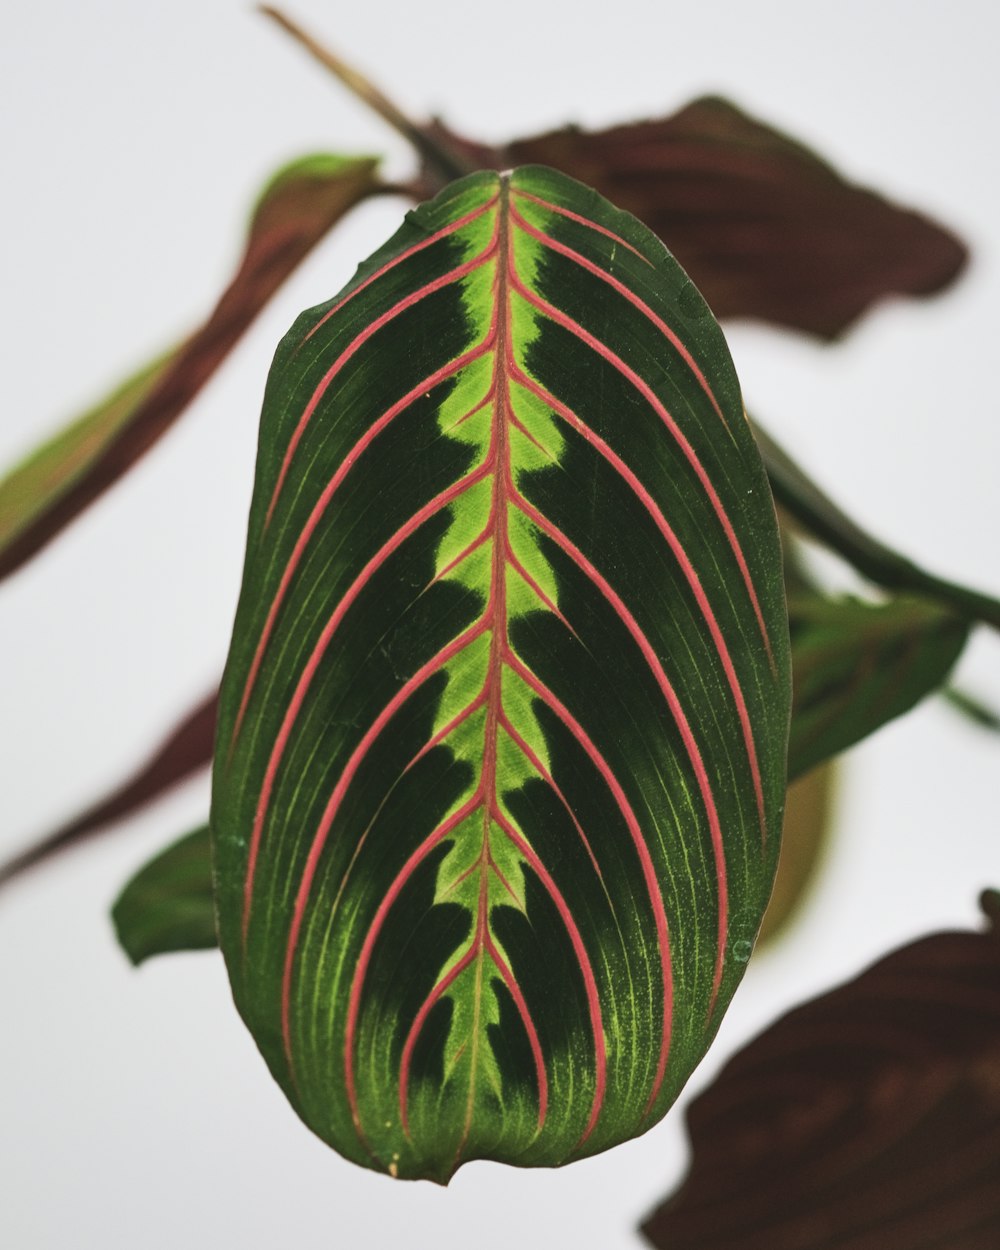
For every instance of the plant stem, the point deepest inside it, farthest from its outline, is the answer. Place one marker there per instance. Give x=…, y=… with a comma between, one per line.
x=823, y=519
x=433, y=148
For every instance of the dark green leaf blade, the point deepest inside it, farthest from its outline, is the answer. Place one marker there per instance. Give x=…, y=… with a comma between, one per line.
x=44, y=493
x=500, y=762
x=765, y=228
x=856, y=666
x=168, y=905
x=186, y=749
x=868, y=1117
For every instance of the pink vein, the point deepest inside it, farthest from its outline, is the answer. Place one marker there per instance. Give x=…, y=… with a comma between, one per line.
x=445, y=279
x=436, y=237
x=648, y=871
x=577, y=330
x=632, y=298
x=376, y=428
x=688, y=570
x=583, y=221
x=676, y=710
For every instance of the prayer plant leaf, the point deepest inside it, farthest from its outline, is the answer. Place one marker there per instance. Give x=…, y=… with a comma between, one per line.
x=500, y=765
x=43, y=494
x=869, y=1117
x=168, y=906
x=765, y=228
x=186, y=749
x=859, y=665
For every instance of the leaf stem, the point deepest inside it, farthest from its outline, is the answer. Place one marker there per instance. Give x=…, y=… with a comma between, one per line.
x=434, y=149
x=823, y=519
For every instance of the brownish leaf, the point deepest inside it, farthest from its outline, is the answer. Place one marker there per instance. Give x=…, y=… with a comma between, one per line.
x=187, y=748
x=763, y=226
x=868, y=1119
x=56, y=482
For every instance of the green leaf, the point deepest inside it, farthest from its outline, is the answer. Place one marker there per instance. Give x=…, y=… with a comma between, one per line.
x=868, y=1117
x=167, y=906
x=824, y=520
x=500, y=765
x=43, y=494
x=859, y=665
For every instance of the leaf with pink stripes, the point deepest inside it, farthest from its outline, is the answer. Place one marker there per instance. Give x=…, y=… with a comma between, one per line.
x=501, y=755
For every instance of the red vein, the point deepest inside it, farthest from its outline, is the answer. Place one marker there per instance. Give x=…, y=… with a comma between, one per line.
x=373, y=431
x=583, y=221
x=408, y=301
x=676, y=710
x=688, y=570
x=563, y=713
x=632, y=298
x=643, y=387
x=436, y=237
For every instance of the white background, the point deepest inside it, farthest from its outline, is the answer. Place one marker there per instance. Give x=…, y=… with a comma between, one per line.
x=134, y=1110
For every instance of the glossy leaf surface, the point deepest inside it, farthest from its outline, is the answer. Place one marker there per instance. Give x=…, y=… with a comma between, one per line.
x=55, y=483
x=857, y=666
x=765, y=228
x=867, y=1118
x=500, y=761
x=168, y=905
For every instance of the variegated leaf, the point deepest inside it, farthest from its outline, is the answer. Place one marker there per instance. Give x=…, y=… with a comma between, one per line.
x=500, y=765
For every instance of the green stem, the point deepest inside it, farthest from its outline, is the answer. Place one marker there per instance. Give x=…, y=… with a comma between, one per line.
x=823, y=519
x=434, y=149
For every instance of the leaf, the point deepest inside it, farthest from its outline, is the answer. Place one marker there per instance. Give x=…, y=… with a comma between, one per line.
x=870, y=1117
x=501, y=746
x=763, y=226
x=187, y=748
x=43, y=494
x=805, y=832
x=859, y=665
x=801, y=498
x=167, y=906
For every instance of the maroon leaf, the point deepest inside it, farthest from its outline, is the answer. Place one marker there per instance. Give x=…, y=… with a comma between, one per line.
x=763, y=226
x=55, y=483
x=868, y=1119
x=187, y=748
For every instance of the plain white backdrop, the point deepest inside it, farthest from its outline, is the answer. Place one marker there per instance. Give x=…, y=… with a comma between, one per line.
x=134, y=1109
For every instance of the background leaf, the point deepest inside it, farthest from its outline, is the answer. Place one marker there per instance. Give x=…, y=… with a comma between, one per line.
x=167, y=906
x=186, y=748
x=857, y=666
x=765, y=228
x=870, y=1117
x=805, y=831
x=501, y=747
x=55, y=483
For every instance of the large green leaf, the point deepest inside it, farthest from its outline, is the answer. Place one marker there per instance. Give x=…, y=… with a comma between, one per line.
x=168, y=906
x=500, y=762
x=859, y=665
x=44, y=493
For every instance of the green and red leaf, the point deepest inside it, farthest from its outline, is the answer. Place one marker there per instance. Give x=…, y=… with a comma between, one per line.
x=500, y=763
x=765, y=228
x=43, y=494
x=868, y=1117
